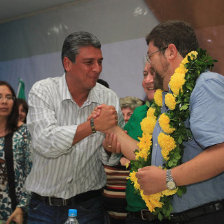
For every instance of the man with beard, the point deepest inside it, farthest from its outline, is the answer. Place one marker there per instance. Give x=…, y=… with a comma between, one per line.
x=202, y=168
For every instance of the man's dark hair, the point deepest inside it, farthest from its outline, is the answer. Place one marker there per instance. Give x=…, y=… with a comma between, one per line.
x=179, y=33
x=103, y=82
x=74, y=41
x=12, y=121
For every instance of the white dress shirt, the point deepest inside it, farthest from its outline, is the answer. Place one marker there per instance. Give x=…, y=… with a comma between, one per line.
x=60, y=169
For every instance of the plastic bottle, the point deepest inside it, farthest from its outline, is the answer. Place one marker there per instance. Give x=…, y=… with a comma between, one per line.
x=72, y=217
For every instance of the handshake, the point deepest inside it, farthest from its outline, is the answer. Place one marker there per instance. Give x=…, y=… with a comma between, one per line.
x=105, y=118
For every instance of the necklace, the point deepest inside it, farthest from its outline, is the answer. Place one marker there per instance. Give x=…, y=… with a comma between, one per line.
x=174, y=133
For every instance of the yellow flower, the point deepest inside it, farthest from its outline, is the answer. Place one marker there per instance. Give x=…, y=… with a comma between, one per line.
x=147, y=125
x=145, y=141
x=185, y=60
x=164, y=122
x=150, y=112
x=158, y=97
x=181, y=68
x=193, y=55
x=170, y=101
x=169, y=192
x=133, y=178
x=177, y=81
x=142, y=154
x=152, y=201
x=167, y=144
x=144, y=146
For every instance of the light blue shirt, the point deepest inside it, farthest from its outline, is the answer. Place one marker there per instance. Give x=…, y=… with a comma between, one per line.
x=207, y=125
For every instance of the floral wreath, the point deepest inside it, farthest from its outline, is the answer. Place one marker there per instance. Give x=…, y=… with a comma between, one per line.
x=174, y=132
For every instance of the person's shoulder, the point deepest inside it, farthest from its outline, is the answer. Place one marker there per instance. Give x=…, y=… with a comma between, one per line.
x=22, y=133
x=207, y=84
x=22, y=128
x=47, y=82
x=209, y=76
x=142, y=108
x=101, y=89
x=208, y=81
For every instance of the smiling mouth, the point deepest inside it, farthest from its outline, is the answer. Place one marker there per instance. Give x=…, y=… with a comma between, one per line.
x=148, y=88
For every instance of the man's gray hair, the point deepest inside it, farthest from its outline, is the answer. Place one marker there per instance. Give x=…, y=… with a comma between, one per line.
x=75, y=41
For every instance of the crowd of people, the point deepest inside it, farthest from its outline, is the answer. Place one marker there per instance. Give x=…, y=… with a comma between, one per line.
x=77, y=142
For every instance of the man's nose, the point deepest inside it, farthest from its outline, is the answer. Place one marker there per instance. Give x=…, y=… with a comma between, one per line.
x=97, y=67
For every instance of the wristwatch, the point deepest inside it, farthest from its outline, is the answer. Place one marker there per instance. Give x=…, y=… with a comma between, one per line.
x=171, y=185
x=92, y=125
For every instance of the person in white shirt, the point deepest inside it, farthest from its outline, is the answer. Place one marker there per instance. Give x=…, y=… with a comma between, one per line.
x=68, y=155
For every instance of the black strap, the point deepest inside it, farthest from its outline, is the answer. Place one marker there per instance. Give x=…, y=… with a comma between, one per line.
x=10, y=169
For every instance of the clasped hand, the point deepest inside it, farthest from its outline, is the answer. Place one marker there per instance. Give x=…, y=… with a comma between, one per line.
x=105, y=117
x=151, y=179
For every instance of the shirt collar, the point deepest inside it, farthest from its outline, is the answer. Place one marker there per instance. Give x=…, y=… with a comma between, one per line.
x=64, y=88
x=92, y=97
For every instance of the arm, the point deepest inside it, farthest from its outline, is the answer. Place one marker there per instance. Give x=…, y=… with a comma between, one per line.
x=127, y=144
x=130, y=139
x=52, y=134
x=22, y=163
x=106, y=119
x=206, y=165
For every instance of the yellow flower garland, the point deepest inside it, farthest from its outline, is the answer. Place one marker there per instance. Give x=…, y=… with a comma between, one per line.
x=158, y=97
x=168, y=143
x=170, y=101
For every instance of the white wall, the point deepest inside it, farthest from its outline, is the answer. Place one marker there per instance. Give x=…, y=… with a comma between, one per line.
x=30, y=47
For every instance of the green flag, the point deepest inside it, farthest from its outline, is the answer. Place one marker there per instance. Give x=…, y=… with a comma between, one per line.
x=21, y=90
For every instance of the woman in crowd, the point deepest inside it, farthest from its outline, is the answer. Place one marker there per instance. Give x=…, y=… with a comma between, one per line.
x=15, y=161
x=128, y=105
x=23, y=109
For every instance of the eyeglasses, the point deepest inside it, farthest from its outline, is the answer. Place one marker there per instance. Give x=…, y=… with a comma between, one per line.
x=7, y=98
x=147, y=57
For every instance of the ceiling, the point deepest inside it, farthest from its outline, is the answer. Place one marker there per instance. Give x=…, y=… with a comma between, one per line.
x=16, y=9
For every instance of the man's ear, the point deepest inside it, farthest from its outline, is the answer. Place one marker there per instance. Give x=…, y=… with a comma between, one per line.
x=67, y=64
x=171, y=52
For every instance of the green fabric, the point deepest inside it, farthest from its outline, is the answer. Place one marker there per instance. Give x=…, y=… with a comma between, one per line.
x=133, y=127
x=21, y=90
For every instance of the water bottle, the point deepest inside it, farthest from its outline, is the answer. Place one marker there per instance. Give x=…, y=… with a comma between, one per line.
x=72, y=217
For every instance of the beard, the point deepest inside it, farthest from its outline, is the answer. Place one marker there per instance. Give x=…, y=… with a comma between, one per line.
x=158, y=80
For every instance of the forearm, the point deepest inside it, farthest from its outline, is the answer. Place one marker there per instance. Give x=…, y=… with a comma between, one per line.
x=82, y=131
x=206, y=165
x=128, y=144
